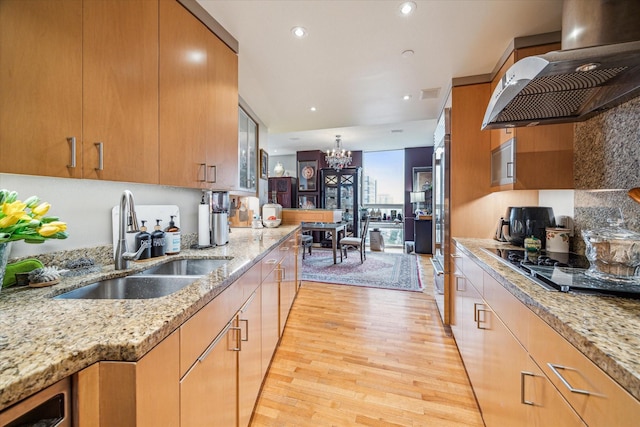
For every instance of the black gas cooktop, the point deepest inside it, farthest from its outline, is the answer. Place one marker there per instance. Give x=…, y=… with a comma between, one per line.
x=564, y=272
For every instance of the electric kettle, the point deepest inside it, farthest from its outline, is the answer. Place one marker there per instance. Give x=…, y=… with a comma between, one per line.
x=502, y=229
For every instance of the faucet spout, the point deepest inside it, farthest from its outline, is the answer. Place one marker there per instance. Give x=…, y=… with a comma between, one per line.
x=128, y=225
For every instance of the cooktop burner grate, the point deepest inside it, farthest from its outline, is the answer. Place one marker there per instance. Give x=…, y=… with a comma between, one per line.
x=564, y=272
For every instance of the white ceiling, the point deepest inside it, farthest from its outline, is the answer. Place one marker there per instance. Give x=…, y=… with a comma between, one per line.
x=351, y=68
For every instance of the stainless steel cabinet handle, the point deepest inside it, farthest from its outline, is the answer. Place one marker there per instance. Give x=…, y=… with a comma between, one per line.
x=100, y=147
x=479, y=320
x=72, y=143
x=509, y=169
x=221, y=335
x=456, y=256
x=271, y=261
x=246, y=331
x=203, y=170
x=555, y=369
x=436, y=267
x=213, y=169
x=238, y=330
x=458, y=287
x=524, y=374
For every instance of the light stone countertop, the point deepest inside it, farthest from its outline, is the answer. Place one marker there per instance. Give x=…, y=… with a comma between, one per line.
x=605, y=329
x=50, y=339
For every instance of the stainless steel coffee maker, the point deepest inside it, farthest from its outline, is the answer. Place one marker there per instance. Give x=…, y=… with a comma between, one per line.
x=218, y=205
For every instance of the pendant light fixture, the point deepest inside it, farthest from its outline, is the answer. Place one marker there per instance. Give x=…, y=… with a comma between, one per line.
x=338, y=158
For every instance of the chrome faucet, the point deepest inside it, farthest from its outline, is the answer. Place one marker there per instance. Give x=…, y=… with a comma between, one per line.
x=128, y=209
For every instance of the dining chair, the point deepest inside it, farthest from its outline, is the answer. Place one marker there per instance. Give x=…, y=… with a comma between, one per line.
x=307, y=243
x=356, y=242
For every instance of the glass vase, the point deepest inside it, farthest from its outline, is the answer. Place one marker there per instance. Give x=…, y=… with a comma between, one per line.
x=5, y=249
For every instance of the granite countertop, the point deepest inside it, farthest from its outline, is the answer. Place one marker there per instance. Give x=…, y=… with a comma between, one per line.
x=605, y=329
x=49, y=339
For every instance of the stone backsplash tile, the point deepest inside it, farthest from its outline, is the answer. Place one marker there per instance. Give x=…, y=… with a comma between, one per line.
x=606, y=166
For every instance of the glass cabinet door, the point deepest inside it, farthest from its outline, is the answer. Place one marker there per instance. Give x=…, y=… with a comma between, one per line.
x=247, y=151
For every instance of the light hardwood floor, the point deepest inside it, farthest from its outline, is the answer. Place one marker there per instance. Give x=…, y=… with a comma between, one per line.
x=354, y=356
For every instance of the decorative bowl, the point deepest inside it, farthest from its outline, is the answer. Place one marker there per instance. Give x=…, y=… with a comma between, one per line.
x=613, y=252
x=271, y=223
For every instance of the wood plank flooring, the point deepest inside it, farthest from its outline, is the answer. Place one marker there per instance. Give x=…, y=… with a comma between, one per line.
x=354, y=356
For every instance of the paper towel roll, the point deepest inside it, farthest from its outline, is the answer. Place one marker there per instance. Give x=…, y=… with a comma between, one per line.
x=204, y=232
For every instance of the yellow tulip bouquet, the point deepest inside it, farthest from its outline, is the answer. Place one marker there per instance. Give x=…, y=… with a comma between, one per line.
x=27, y=220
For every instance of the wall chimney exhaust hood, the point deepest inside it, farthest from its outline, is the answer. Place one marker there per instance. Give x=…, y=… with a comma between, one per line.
x=594, y=72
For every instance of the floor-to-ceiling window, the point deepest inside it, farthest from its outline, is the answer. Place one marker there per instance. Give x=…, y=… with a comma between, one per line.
x=383, y=193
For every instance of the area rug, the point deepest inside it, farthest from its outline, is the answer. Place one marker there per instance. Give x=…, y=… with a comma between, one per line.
x=379, y=270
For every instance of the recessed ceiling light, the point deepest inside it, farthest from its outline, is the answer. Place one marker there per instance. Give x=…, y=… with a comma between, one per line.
x=406, y=97
x=407, y=8
x=312, y=108
x=407, y=53
x=299, y=32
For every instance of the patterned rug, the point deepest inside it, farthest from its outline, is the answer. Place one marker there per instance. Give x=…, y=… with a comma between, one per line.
x=379, y=270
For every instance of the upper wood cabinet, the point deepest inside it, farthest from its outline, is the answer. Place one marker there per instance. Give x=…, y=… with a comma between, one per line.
x=80, y=89
x=127, y=90
x=198, y=103
x=222, y=148
x=543, y=155
x=120, y=90
x=41, y=87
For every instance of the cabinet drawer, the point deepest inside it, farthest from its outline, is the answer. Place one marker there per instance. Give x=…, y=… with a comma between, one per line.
x=249, y=281
x=472, y=271
x=197, y=332
x=270, y=262
x=597, y=398
x=513, y=313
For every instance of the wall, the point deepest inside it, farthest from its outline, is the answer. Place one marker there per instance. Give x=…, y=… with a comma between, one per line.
x=413, y=157
x=606, y=166
x=289, y=162
x=85, y=205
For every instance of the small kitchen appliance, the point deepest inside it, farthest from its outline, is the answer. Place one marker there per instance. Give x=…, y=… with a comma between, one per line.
x=502, y=230
x=527, y=221
x=217, y=223
x=272, y=213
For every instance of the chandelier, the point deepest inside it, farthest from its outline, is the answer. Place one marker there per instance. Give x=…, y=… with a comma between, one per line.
x=338, y=158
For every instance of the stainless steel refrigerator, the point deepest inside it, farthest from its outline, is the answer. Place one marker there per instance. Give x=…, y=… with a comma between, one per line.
x=441, y=259
x=343, y=190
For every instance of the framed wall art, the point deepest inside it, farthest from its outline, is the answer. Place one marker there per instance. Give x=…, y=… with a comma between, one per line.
x=307, y=202
x=307, y=175
x=422, y=178
x=264, y=164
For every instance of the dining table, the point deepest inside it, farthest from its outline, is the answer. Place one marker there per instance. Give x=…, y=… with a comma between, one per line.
x=332, y=228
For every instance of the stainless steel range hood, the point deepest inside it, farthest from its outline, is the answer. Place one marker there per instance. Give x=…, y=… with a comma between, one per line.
x=577, y=83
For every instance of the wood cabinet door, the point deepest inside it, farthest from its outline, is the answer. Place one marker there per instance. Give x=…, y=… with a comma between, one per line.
x=546, y=406
x=41, y=87
x=185, y=108
x=270, y=325
x=250, y=357
x=208, y=393
x=222, y=143
x=120, y=90
x=504, y=359
x=287, y=281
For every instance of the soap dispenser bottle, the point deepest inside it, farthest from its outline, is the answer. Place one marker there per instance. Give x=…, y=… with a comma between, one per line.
x=172, y=238
x=157, y=241
x=143, y=238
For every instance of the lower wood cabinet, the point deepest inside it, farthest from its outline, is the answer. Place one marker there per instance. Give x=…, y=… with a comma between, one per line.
x=510, y=387
x=249, y=320
x=123, y=394
x=209, y=371
x=208, y=390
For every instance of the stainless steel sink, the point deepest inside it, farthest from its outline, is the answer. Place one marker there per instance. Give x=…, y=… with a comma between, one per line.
x=186, y=267
x=131, y=287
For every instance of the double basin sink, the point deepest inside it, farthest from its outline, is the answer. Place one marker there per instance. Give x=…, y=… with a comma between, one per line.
x=154, y=282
